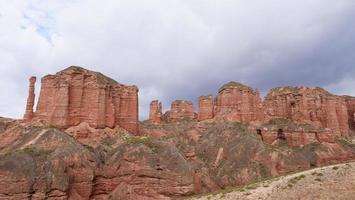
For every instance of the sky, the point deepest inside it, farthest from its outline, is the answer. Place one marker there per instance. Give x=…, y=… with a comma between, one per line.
x=178, y=49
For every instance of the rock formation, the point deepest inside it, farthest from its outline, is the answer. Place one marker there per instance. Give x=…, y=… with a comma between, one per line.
x=350, y=104
x=180, y=110
x=205, y=107
x=30, y=100
x=237, y=102
x=155, y=112
x=310, y=105
x=76, y=95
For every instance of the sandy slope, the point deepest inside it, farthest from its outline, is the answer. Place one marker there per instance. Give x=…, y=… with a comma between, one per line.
x=331, y=182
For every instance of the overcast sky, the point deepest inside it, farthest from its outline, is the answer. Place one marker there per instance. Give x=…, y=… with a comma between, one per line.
x=178, y=49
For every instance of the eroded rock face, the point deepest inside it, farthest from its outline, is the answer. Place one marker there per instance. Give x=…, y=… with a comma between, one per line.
x=311, y=105
x=76, y=95
x=180, y=110
x=155, y=112
x=350, y=104
x=237, y=102
x=205, y=107
x=30, y=100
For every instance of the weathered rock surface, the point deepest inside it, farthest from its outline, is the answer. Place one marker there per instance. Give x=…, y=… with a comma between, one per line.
x=76, y=95
x=350, y=104
x=205, y=107
x=39, y=162
x=30, y=100
x=180, y=110
x=234, y=102
x=237, y=102
x=155, y=112
x=311, y=105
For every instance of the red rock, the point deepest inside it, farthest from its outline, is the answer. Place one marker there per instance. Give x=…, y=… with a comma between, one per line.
x=30, y=100
x=205, y=107
x=76, y=95
x=350, y=104
x=180, y=110
x=155, y=113
x=314, y=106
x=237, y=102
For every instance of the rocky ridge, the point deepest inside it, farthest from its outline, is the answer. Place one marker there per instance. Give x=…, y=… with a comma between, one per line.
x=84, y=140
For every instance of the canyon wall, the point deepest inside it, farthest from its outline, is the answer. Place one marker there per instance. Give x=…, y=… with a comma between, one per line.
x=205, y=107
x=76, y=95
x=310, y=105
x=180, y=110
x=237, y=102
x=350, y=104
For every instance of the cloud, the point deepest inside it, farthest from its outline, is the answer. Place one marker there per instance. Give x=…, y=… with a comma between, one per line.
x=178, y=49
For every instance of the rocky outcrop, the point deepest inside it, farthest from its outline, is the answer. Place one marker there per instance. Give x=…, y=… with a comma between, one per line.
x=310, y=105
x=180, y=110
x=350, y=104
x=237, y=102
x=76, y=95
x=205, y=107
x=30, y=100
x=39, y=162
x=155, y=112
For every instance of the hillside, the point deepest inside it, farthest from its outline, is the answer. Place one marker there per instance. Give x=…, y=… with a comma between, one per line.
x=330, y=182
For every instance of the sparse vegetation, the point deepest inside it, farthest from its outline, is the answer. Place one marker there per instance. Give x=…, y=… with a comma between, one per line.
x=145, y=140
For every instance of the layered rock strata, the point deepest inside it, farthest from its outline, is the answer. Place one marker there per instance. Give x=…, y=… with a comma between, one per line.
x=237, y=102
x=155, y=112
x=76, y=95
x=311, y=105
x=205, y=107
x=30, y=100
x=180, y=110
x=350, y=104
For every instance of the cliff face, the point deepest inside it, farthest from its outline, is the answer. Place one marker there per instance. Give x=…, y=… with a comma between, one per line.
x=76, y=95
x=180, y=110
x=310, y=105
x=350, y=104
x=155, y=112
x=237, y=102
x=205, y=107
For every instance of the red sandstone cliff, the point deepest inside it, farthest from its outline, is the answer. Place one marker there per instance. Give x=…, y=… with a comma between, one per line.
x=30, y=100
x=205, y=107
x=310, y=105
x=155, y=112
x=180, y=110
x=76, y=95
x=350, y=104
x=238, y=102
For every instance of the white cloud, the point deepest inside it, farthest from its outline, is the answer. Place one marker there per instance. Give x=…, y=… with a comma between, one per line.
x=178, y=48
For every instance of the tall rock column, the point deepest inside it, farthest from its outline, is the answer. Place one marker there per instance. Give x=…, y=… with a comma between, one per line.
x=238, y=102
x=155, y=112
x=128, y=110
x=180, y=110
x=205, y=107
x=30, y=100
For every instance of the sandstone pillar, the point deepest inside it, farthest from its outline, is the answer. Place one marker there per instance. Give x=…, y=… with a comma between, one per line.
x=155, y=112
x=30, y=100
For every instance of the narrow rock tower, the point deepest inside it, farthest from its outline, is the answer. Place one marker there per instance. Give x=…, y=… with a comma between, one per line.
x=30, y=100
x=155, y=113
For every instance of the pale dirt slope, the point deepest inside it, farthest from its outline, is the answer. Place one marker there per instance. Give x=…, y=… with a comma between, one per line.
x=332, y=182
